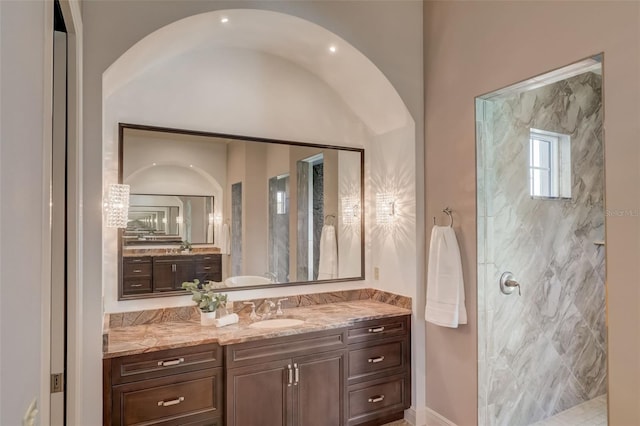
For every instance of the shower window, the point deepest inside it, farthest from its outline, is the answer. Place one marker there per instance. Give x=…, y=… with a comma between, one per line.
x=549, y=164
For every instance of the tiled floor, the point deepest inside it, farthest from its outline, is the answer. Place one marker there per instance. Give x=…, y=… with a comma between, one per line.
x=590, y=413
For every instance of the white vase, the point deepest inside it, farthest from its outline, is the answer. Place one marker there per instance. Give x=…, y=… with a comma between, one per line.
x=207, y=318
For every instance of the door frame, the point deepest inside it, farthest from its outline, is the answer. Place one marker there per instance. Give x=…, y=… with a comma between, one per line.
x=73, y=21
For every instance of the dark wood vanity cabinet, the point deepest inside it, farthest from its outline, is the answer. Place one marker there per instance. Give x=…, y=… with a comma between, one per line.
x=170, y=388
x=296, y=380
x=359, y=375
x=208, y=267
x=136, y=275
x=160, y=274
x=169, y=272
x=379, y=373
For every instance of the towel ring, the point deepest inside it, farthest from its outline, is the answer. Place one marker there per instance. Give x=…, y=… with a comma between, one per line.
x=449, y=212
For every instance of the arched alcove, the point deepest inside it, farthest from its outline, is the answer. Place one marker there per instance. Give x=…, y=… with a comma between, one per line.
x=263, y=74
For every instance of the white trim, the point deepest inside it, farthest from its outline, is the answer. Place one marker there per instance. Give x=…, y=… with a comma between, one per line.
x=416, y=417
x=45, y=308
x=435, y=419
x=73, y=21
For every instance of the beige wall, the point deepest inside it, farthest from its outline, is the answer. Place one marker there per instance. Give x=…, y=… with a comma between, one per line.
x=473, y=48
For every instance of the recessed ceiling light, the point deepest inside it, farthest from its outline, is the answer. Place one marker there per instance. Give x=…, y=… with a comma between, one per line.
x=154, y=164
x=332, y=49
x=190, y=165
x=224, y=19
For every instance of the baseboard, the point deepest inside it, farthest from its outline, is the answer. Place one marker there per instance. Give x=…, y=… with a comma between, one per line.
x=417, y=416
x=435, y=419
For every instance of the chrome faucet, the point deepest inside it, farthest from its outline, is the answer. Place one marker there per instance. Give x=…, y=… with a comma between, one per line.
x=273, y=277
x=267, y=310
x=279, y=311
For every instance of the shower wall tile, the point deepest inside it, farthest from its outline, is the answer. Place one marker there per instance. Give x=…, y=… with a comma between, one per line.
x=544, y=351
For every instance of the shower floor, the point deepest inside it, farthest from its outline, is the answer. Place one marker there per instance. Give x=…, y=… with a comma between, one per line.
x=590, y=413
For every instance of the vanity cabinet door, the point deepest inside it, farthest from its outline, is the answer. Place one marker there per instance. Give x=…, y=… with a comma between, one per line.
x=260, y=394
x=319, y=397
x=169, y=272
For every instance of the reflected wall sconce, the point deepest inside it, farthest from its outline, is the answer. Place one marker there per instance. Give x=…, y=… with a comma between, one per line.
x=385, y=208
x=117, y=206
x=179, y=220
x=211, y=219
x=217, y=219
x=350, y=210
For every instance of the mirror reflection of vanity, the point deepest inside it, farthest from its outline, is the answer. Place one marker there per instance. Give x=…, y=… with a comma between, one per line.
x=253, y=212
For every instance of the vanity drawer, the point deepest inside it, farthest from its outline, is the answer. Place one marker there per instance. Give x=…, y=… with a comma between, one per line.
x=136, y=259
x=381, y=358
x=137, y=269
x=378, y=329
x=375, y=399
x=136, y=285
x=165, y=363
x=194, y=399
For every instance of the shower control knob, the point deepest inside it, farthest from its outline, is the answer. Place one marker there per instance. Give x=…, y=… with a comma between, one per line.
x=508, y=284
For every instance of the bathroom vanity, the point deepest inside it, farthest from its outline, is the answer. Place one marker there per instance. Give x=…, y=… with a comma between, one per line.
x=161, y=273
x=347, y=364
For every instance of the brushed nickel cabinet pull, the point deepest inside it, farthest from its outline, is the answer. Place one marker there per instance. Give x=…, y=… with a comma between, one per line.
x=377, y=398
x=170, y=363
x=290, y=373
x=136, y=285
x=137, y=271
x=173, y=267
x=376, y=330
x=206, y=268
x=170, y=403
x=377, y=359
x=297, y=374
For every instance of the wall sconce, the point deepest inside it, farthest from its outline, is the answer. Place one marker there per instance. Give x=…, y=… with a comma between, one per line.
x=350, y=210
x=117, y=206
x=385, y=208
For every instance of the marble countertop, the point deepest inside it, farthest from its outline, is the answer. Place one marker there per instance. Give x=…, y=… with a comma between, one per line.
x=136, y=252
x=167, y=335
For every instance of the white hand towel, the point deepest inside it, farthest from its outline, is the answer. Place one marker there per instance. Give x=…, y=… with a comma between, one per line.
x=445, y=286
x=226, y=320
x=328, y=264
x=225, y=239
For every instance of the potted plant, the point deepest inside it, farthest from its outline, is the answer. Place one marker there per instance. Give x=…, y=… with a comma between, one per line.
x=185, y=246
x=212, y=305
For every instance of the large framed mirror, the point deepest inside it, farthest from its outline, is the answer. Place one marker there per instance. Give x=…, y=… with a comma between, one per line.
x=240, y=212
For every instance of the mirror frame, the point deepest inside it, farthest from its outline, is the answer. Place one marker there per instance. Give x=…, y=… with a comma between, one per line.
x=121, y=129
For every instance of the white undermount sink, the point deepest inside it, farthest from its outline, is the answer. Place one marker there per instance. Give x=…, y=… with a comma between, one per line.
x=277, y=323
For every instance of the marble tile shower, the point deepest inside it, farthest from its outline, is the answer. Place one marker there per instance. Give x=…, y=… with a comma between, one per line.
x=543, y=352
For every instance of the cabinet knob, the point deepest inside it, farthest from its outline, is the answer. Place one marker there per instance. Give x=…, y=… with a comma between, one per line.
x=376, y=398
x=170, y=403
